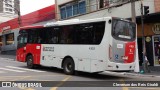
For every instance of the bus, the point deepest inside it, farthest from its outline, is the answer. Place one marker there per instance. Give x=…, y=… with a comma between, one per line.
x=93, y=45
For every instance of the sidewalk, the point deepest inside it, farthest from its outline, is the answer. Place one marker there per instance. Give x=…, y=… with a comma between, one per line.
x=154, y=70
x=10, y=57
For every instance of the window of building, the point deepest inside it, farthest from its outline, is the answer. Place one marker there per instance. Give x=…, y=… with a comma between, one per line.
x=63, y=12
x=82, y=7
x=75, y=9
x=10, y=39
x=78, y=7
x=72, y=9
x=69, y=10
x=8, y=6
x=93, y=6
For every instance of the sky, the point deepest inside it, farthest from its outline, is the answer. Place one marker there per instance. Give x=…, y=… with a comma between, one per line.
x=28, y=6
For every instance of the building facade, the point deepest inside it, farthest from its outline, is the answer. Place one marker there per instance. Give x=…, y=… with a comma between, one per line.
x=85, y=9
x=9, y=30
x=9, y=9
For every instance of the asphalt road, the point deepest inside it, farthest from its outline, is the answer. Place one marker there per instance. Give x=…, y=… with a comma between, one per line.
x=13, y=71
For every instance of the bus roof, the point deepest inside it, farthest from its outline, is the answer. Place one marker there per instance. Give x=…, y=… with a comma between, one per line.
x=75, y=21
x=29, y=27
x=68, y=22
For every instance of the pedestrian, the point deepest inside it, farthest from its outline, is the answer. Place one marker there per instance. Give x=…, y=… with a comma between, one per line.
x=146, y=59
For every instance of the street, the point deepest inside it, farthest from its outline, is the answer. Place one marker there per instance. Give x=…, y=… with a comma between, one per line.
x=11, y=70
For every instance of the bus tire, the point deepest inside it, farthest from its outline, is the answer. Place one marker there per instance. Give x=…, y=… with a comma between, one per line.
x=68, y=66
x=30, y=62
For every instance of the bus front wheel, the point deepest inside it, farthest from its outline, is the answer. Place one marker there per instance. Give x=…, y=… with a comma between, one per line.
x=68, y=66
x=30, y=62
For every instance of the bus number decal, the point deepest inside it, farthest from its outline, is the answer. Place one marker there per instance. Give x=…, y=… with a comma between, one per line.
x=48, y=49
x=91, y=48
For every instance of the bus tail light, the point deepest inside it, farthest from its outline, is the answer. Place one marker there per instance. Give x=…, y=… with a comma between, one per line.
x=110, y=52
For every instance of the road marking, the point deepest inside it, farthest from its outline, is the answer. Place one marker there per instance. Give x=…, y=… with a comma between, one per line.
x=12, y=70
x=33, y=76
x=3, y=58
x=2, y=72
x=7, y=58
x=124, y=88
x=60, y=84
x=29, y=89
x=24, y=69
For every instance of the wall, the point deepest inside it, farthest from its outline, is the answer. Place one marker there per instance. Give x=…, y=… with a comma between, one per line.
x=147, y=30
x=123, y=11
x=157, y=5
x=12, y=46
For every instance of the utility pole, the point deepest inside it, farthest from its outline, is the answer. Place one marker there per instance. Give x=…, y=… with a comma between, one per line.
x=133, y=11
x=145, y=66
x=19, y=18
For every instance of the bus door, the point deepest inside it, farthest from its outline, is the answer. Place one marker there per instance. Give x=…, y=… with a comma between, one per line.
x=21, y=49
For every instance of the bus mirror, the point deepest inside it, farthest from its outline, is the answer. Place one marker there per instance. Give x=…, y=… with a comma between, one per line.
x=18, y=38
x=110, y=21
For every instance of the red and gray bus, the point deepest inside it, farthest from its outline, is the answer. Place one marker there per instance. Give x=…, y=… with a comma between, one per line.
x=93, y=45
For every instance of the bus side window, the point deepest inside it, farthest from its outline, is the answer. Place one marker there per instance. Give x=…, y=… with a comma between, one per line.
x=66, y=35
x=54, y=40
x=84, y=34
x=30, y=36
x=98, y=32
x=53, y=35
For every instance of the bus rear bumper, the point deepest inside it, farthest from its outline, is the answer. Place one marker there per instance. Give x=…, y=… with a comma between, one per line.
x=120, y=66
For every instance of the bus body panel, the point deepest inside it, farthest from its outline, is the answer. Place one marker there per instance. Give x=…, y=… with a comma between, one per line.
x=123, y=52
x=32, y=49
x=35, y=50
x=88, y=61
x=20, y=55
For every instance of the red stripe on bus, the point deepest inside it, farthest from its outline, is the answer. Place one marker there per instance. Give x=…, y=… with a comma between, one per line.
x=129, y=52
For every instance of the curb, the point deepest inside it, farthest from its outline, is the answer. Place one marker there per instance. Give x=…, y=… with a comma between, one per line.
x=140, y=75
x=126, y=74
x=8, y=59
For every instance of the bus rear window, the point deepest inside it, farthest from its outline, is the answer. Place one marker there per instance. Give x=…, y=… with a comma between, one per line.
x=123, y=30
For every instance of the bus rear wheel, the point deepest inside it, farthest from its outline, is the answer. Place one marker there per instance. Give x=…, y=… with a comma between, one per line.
x=30, y=62
x=68, y=66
